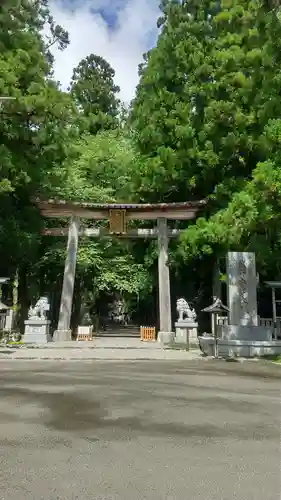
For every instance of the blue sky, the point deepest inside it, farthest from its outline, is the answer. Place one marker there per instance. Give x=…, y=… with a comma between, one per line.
x=118, y=30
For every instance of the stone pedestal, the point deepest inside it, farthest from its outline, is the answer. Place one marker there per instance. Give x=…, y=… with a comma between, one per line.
x=37, y=331
x=166, y=337
x=62, y=336
x=186, y=334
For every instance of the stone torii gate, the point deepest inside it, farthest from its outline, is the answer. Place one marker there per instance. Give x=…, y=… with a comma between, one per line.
x=118, y=216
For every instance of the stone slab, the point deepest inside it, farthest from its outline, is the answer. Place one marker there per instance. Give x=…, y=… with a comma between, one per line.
x=41, y=353
x=240, y=348
x=106, y=343
x=234, y=332
x=186, y=324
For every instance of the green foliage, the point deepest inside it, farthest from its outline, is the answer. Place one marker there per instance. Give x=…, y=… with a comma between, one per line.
x=104, y=266
x=45, y=152
x=206, y=115
x=94, y=92
x=252, y=218
x=34, y=126
x=205, y=123
x=197, y=111
x=101, y=169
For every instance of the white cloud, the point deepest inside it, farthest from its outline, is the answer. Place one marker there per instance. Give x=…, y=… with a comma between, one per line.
x=122, y=46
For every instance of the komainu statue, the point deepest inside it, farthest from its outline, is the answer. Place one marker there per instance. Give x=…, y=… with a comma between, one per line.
x=185, y=311
x=39, y=310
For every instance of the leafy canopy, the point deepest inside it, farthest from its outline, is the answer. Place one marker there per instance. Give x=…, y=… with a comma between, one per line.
x=94, y=92
x=34, y=127
x=205, y=111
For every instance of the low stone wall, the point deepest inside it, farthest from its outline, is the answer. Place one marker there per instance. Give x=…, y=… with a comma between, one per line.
x=240, y=348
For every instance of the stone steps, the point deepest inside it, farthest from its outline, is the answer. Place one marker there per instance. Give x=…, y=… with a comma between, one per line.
x=122, y=331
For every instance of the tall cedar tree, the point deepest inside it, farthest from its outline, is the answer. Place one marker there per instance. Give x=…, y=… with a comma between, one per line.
x=206, y=114
x=95, y=94
x=197, y=113
x=34, y=127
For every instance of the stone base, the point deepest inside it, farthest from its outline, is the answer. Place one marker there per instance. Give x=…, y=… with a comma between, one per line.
x=166, y=337
x=243, y=332
x=186, y=334
x=240, y=348
x=62, y=336
x=182, y=336
x=37, y=331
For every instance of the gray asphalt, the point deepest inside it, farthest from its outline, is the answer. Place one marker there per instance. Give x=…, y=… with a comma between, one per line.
x=139, y=430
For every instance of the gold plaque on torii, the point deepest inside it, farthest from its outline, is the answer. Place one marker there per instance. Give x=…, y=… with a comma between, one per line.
x=117, y=221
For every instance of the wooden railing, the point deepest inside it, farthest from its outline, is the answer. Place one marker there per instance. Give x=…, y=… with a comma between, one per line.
x=148, y=333
x=266, y=322
x=84, y=333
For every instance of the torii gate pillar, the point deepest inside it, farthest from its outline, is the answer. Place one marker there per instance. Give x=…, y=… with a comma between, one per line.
x=165, y=334
x=63, y=332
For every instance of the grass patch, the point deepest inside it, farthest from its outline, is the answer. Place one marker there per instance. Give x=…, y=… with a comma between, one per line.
x=277, y=359
x=15, y=342
x=271, y=357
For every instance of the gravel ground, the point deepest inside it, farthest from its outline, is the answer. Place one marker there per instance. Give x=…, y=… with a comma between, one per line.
x=155, y=430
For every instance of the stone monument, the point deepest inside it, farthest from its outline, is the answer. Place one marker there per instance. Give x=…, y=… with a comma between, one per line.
x=186, y=325
x=242, y=299
x=242, y=288
x=242, y=336
x=37, y=326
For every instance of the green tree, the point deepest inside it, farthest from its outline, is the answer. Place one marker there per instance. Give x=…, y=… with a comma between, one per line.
x=197, y=112
x=35, y=131
x=95, y=94
x=206, y=110
x=251, y=219
x=100, y=170
x=207, y=92
x=39, y=112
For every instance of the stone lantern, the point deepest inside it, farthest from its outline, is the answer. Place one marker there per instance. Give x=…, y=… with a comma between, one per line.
x=215, y=309
x=3, y=314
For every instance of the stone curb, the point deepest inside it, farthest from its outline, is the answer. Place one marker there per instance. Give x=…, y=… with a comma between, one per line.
x=94, y=359
x=80, y=359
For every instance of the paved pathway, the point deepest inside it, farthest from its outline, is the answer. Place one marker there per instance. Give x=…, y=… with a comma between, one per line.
x=100, y=348
x=147, y=430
